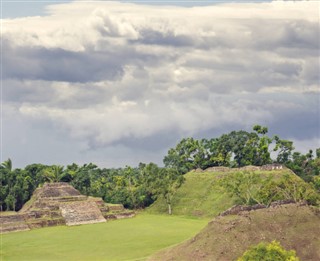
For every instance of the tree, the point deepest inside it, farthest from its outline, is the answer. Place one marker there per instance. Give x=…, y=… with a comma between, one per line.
x=69, y=173
x=244, y=186
x=84, y=176
x=168, y=182
x=285, y=148
x=187, y=155
x=306, y=166
x=53, y=173
x=251, y=188
x=235, y=149
x=162, y=182
x=7, y=165
x=263, y=155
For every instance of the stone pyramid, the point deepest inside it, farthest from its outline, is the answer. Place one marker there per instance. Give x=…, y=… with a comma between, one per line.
x=61, y=204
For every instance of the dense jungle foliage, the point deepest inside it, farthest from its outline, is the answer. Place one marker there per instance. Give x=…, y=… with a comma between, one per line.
x=138, y=187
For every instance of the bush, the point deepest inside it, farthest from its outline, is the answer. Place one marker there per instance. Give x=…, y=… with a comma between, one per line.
x=268, y=252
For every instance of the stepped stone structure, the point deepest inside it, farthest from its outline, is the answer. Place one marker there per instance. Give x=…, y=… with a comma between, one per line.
x=11, y=223
x=61, y=204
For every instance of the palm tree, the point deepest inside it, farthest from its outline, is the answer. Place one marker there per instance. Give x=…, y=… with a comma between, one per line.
x=53, y=173
x=7, y=165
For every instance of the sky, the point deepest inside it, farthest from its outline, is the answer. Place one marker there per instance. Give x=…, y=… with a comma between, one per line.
x=119, y=83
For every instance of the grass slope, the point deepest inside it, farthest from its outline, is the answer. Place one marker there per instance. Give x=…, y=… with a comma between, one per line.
x=127, y=239
x=200, y=196
x=227, y=238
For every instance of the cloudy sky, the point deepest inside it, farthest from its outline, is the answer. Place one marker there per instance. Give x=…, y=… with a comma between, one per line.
x=118, y=83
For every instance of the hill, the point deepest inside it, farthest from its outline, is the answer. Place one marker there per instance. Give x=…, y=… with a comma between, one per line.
x=227, y=238
x=202, y=196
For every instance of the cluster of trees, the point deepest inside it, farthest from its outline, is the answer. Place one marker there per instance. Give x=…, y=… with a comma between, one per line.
x=242, y=148
x=133, y=187
x=139, y=187
x=235, y=149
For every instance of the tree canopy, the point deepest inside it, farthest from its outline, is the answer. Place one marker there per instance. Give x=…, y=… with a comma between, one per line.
x=138, y=187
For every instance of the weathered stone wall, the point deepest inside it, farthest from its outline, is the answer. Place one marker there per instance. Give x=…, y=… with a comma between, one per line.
x=81, y=212
x=270, y=167
x=13, y=223
x=58, y=189
x=235, y=210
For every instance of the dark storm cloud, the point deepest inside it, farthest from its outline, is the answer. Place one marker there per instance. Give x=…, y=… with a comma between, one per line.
x=20, y=91
x=38, y=63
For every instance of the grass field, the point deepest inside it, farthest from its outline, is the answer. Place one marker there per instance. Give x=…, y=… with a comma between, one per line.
x=127, y=239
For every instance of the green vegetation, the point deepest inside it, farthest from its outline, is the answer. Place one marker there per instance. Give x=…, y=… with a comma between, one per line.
x=173, y=189
x=265, y=252
x=235, y=149
x=127, y=239
x=200, y=195
x=139, y=187
x=206, y=194
x=251, y=188
x=133, y=187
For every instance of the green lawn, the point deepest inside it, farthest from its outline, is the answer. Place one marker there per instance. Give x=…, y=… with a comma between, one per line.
x=127, y=239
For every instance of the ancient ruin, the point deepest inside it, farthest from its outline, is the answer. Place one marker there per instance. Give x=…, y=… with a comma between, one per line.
x=61, y=204
x=268, y=167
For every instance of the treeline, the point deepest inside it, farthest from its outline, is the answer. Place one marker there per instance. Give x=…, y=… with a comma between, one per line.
x=140, y=186
x=133, y=187
x=242, y=148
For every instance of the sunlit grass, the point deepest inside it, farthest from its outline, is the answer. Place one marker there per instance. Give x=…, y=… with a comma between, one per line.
x=127, y=239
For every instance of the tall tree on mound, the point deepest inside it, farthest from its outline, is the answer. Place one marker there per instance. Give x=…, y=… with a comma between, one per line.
x=188, y=154
x=168, y=182
x=162, y=182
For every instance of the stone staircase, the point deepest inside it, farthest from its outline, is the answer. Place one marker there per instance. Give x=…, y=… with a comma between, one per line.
x=81, y=212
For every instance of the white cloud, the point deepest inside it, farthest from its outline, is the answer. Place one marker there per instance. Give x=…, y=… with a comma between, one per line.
x=104, y=73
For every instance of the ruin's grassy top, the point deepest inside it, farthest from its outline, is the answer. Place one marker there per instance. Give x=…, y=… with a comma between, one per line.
x=200, y=195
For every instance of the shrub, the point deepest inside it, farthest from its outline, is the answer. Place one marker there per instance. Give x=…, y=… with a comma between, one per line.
x=268, y=252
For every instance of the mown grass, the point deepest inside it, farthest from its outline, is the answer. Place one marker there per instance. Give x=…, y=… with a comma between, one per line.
x=127, y=239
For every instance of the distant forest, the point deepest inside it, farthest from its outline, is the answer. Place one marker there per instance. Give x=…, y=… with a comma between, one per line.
x=138, y=187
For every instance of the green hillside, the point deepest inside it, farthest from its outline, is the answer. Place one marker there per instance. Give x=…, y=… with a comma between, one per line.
x=202, y=196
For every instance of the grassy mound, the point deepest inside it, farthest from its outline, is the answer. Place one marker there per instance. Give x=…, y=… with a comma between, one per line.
x=227, y=238
x=202, y=196
x=198, y=196
x=127, y=239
